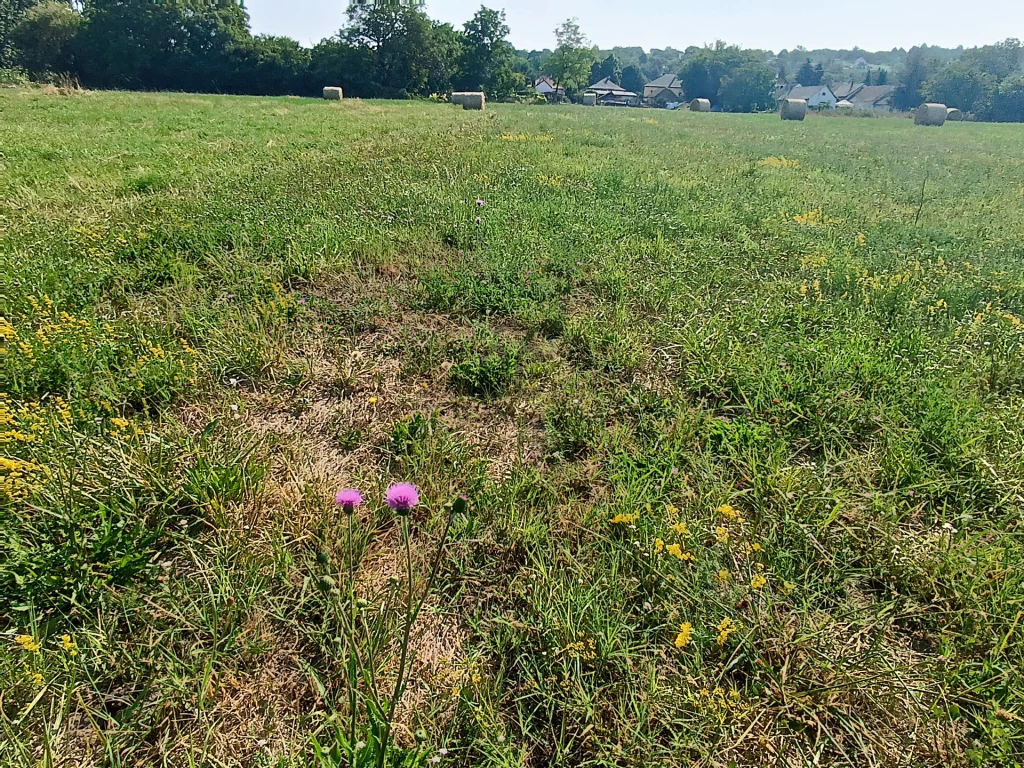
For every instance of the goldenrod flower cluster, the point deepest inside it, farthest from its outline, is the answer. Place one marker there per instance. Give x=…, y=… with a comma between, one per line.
x=27, y=643
x=726, y=629
x=685, y=635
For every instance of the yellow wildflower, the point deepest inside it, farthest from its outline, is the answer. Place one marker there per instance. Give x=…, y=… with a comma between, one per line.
x=625, y=519
x=659, y=545
x=726, y=629
x=27, y=643
x=728, y=512
x=788, y=587
x=69, y=645
x=676, y=550
x=685, y=635
x=809, y=219
x=758, y=581
x=680, y=529
x=672, y=510
x=37, y=680
x=119, y=423
x=722, y=535
x=724, y=576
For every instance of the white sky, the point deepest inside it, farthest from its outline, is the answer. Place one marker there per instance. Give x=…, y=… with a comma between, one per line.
x=869, y=24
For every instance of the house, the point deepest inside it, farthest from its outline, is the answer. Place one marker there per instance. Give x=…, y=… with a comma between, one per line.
x=872, y=97
x=845, y=90
x=547, y=88
x=860, y=63
x=609, y=93
x=816, y=96
x=664, y=98
x=862, y=96
x=657, y=88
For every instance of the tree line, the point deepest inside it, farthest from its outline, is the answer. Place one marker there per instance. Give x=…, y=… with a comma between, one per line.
x=395, y=50
x=386, y=50
x=987, y=81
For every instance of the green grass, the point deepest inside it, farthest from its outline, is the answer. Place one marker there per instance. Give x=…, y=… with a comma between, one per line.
x=221, y=310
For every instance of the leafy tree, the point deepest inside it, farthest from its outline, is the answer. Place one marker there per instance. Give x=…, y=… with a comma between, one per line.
x=882, y=78
x=867, y=77
x=747, y=88
x=442, y=58
x=44, y=37
x=269, y=65
x=633, y=79
x=333, y=61
x=962, y=85
x=1008, y=101
x=569, y=64
x=806, y=74
x=487, y=60
x=1000, y=60
x=705, y=70
x=819, y=74
x=11, y=14
x=701, y=76
x=405, y=52
x=609, y=68
x=186, y=45
x=916, y=70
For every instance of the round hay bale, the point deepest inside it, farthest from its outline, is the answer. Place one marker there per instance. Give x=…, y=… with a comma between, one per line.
x=844, y=104
x=954, y=114
x=589, y=99
x=469, y=99
x=793, y=109
x=700, y=105
x=333, y=93
x=930, y=114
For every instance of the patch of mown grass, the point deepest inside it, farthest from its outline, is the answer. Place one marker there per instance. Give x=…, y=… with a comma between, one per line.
x=740, y=437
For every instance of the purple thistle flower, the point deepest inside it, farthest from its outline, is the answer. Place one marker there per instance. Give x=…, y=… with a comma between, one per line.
x=349, y=499
x=478, y=219
x=402, y=497
x=480, y=203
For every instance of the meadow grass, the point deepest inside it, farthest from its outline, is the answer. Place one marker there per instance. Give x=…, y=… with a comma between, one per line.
x=735, y=403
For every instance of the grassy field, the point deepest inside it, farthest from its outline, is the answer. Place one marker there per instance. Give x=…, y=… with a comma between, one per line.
x=736, y=406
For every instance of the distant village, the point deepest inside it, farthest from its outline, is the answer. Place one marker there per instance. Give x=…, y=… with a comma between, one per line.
x=666, y=92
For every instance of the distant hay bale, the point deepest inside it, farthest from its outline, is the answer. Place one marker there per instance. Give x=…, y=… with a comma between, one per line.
x=930, y=114
x=332, y=93
x=589, y=99
x=700, y=105
x=793, y=109
x=844, y=104
x=469, y=99
x=954, y=114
